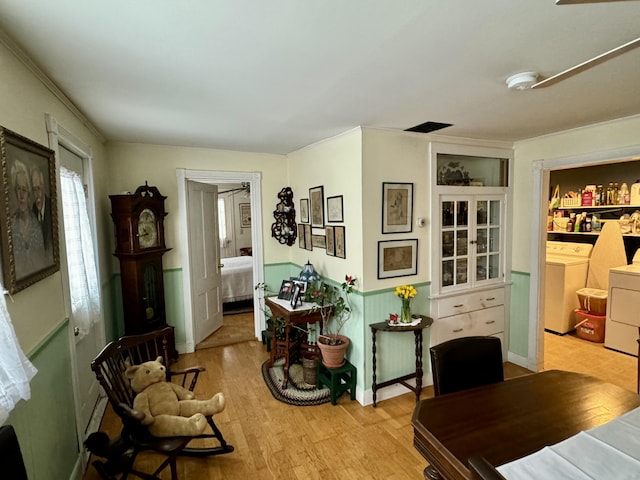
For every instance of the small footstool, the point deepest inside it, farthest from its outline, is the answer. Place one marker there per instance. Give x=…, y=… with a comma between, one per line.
x=338, y=380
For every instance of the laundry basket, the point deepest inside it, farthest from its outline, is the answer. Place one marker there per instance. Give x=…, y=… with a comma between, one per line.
x=590, y=327
x=593, y=300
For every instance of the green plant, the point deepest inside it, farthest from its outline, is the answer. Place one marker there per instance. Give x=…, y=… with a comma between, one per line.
x=334, y=305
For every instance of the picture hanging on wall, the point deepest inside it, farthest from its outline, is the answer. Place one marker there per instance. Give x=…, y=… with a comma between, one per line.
x=301, y=236
x=335, y=211
x=397, y=258
x=316, y=200
x=245, y=215
x=340, y=242
x=330, y=241
x=318, y=241
x=397, y=207
x=308, y=245
x=28, y=211
x=304, y=210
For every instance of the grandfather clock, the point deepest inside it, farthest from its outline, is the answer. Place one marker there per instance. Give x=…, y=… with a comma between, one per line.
x=139, y=230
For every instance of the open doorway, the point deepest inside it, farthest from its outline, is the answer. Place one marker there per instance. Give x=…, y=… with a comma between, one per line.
x=566, y=351
x=224, y=180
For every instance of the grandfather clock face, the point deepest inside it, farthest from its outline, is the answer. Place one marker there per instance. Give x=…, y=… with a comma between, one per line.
x=147, y=229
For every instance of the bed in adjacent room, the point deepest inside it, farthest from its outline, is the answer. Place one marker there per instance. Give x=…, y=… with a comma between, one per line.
x=237, y=279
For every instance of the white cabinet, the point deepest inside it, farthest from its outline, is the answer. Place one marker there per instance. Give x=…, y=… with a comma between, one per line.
x=470, y=254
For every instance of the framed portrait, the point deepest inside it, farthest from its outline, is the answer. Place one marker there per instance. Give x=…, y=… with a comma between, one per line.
x=301, y=236
x=318, y=241
x=286, y=289
x=397, y=258
x=300, y=283
x=245, y=215
x=335, y=211
x=397, y=207
x=308, y=245
x=304, y=210
x=295, y=295
x=316, y=206
x=340, y=242
x=330, y=240
x=29, y=210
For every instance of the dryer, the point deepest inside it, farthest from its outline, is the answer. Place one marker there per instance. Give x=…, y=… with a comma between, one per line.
x=567, y=265
x=623, y=308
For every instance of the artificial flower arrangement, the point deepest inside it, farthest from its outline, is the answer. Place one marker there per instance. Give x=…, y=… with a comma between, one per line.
x=406, y=293
x=334, y=306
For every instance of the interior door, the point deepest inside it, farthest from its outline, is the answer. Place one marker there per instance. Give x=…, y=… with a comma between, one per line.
x=204, y=251
x=87, y=347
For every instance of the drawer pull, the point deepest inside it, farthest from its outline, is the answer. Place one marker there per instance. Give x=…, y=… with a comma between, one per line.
x=459, y=305
x=458, y=330
x=490, y=298
x=490, y=322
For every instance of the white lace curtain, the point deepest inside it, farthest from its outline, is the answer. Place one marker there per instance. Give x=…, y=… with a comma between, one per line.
x=15, y=369
x=83, y=281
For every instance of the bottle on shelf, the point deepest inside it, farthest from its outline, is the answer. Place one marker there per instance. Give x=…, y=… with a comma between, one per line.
x=571, y=222
x=609, y=194
x=624, y=196
x=599, y=195
x=616, y=189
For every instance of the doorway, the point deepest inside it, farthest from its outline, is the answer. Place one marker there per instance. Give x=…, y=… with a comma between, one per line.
x=221, y=179
x=542, y=171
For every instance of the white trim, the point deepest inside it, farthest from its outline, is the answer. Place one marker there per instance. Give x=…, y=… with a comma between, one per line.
x=218, y=177
x=541, y=171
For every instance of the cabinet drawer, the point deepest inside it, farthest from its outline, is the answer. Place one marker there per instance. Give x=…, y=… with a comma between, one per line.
x=481, y=322
x=470, y=302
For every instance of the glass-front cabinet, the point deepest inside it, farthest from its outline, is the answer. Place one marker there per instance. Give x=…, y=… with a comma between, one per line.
x=470, y=254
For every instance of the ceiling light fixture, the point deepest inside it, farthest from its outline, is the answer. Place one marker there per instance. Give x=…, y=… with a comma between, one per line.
x=522, y=81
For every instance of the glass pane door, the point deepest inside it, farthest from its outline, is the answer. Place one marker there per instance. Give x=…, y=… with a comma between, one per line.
x=454, y=238
x=488, y=239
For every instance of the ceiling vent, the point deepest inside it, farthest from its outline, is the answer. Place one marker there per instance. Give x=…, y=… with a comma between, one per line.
x=427, y=127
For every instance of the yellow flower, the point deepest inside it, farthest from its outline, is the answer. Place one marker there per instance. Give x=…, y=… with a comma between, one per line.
x=406, y=291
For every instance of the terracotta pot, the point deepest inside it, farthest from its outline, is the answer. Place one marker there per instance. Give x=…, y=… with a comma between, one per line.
x=333, y=355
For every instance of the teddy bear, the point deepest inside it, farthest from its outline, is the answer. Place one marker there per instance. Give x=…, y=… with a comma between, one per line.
x=169, y=409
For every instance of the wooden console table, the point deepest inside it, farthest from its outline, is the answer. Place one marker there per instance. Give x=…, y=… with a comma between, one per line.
x=288, y=348
x=417, y=331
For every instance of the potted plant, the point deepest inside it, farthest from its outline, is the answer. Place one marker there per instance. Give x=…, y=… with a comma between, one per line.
x=335, y=309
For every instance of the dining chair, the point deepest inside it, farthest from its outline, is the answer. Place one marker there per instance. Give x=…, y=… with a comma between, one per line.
x=109, y=367
x=12, y=462
x=466, y=362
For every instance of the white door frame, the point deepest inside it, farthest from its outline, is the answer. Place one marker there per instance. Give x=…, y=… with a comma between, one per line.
x=541, y=170
x=218, y=177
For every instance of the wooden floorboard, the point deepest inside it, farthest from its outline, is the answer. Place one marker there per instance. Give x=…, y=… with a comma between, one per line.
x=348, y=441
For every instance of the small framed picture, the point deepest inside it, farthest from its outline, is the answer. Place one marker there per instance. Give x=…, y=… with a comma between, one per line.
x=245, y=215
x=335, y=211
x=316, y=206
x=301, y=236
x=330, y=240
x=340, y=242
x=397, y=258
x=300, y=283
x=308, y=245
x=397, y=207
x=295, y=295
x=304, y=210
x=286, y=289
x=318, y=241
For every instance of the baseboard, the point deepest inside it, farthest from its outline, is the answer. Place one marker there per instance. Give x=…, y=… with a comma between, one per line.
x=520, y=361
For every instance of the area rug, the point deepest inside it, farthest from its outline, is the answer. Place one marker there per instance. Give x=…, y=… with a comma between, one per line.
x=298, y=392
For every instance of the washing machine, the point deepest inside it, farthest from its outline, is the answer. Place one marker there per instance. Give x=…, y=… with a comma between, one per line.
x=567, y=265
x=623, y=308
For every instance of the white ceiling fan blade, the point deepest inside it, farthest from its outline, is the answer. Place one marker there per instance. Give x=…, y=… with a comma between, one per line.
x=588, y=64
x=576, y=2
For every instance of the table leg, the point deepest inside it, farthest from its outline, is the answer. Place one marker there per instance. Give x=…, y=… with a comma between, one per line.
x=418, y=334
x=373, y=348
x=431, y=473
x=285, y=381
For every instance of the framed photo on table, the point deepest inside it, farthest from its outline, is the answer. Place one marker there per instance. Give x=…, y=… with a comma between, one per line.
x=286, y=289
x=397, y=207
x=28, y=211
x=316, y=206
x=295, y=295
x=335, y=212
x=397, y=258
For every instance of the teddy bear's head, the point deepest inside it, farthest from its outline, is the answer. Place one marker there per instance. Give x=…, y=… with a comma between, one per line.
x=145, y=374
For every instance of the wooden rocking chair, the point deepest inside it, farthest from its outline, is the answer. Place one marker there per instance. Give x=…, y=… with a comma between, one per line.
x=109, y=367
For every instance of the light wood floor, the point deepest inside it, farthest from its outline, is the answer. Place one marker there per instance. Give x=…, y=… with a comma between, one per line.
x=348, y=441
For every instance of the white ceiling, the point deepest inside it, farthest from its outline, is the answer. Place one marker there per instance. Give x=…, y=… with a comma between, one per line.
x=276, y=75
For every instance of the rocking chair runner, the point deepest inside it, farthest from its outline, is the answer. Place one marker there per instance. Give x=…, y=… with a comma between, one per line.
x=109, y=367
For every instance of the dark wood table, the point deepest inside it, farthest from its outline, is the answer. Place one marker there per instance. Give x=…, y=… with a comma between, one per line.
x=417, y=331
x=287, y=347
x=509, y=420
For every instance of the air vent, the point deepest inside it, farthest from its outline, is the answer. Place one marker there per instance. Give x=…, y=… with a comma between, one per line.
x=427, y=127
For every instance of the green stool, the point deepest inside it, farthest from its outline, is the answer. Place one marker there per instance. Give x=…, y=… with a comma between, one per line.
x=338, y=380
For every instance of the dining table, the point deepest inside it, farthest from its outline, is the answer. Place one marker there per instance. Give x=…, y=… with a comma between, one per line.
x=509, y=420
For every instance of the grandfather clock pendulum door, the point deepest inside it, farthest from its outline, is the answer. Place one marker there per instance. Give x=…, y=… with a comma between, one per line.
x=140, y=245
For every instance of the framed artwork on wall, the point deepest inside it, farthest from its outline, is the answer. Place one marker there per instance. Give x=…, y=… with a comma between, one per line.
x=335, y=213
x=397, y=258
x=301, y=236
x=245, y=215
x=316, y=206
x=28, y=211
x=318, y=241
x=304, y=210
x=330, y=241
x=397, y=207
x=340, y=242
x=308, y=245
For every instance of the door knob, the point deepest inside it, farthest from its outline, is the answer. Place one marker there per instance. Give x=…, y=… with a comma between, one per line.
x=76, y=331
